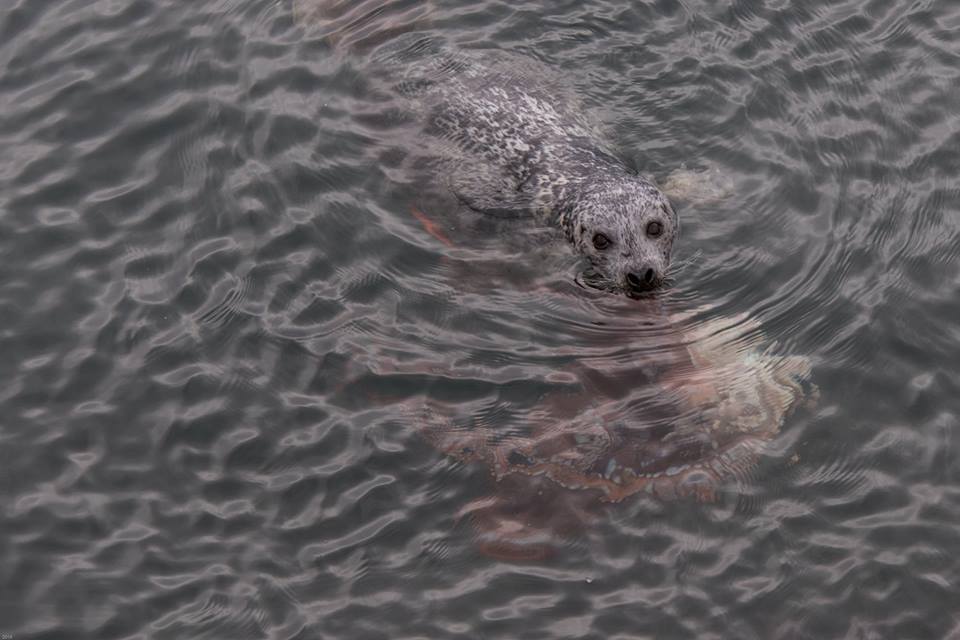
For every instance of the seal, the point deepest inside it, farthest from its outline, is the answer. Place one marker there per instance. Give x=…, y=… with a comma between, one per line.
x=524, y=146
x=523, y=142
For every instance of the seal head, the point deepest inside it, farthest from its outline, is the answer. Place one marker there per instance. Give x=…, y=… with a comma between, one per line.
x=625, y=228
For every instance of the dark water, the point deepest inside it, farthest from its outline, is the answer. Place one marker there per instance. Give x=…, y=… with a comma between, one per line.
x=212, y=292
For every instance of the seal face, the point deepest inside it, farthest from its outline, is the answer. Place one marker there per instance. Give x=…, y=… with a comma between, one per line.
x=626, y=227
x=525, y=146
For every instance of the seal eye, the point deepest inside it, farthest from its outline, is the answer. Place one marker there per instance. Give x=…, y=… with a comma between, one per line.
x=654, y=229
x=601, y=241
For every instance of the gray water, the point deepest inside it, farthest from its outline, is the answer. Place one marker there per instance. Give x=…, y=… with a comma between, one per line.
x=216, y=306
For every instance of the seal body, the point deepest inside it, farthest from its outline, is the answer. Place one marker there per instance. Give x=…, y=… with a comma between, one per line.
x=524, y=145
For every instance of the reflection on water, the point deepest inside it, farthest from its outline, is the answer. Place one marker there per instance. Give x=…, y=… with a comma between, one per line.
x=225, y=332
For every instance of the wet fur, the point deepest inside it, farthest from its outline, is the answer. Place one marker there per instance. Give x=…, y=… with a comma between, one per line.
x=522, y=145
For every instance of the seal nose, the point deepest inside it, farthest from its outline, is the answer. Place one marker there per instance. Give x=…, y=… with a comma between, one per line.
x=644, y=281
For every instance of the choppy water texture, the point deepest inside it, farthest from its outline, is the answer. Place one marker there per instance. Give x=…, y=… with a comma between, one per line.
x=220, y=319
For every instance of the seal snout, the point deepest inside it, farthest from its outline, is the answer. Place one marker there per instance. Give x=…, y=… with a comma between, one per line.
x=643, y=280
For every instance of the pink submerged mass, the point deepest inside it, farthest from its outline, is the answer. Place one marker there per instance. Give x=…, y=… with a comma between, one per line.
x=699, y=418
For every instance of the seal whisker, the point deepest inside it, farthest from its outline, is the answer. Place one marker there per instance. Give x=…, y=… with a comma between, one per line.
x=678, y=266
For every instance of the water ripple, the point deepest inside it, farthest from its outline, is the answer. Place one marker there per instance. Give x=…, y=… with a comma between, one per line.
x=223, y=321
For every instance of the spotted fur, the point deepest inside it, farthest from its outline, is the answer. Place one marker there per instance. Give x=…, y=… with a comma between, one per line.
x=524, y=145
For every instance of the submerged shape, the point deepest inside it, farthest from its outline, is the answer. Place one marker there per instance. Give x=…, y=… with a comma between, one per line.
x=697, y=187
x=726, y=399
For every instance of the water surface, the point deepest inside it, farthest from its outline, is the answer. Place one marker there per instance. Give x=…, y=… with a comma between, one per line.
x=215, y=300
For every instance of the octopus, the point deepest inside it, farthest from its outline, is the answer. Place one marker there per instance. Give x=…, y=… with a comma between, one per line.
x=681, y=425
